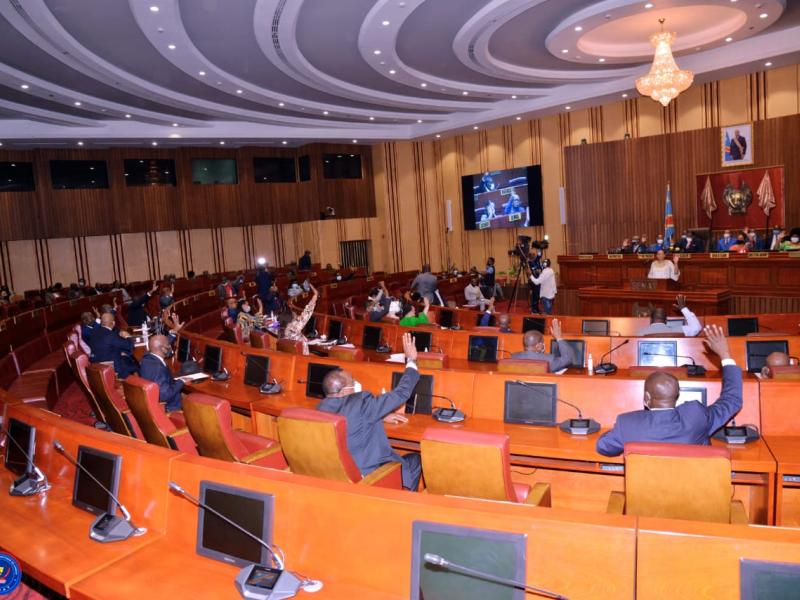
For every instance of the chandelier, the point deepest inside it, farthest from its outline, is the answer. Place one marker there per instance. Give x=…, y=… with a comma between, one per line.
x=665, y=80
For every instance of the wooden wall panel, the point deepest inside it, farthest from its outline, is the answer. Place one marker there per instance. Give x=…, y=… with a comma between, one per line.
x=202, y=250
x=134, y=250
x=169, y=253
x=233, y=244
x=64, y=267
x=25, y=267
x=99, y=264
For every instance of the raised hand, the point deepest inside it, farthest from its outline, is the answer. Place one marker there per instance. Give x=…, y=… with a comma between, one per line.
x=409, y=347
x=716, y=341
x=555, y=329
x=676, y=258
x=680, y=302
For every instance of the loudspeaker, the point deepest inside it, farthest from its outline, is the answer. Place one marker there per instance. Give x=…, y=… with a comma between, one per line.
x=448, y=206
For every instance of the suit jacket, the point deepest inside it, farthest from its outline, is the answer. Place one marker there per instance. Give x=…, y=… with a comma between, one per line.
x=689, y=423
x=169, y=388
x=696, y=245
x=109, y=346
x=366, y=437
x=562, y=360
x=137, y=311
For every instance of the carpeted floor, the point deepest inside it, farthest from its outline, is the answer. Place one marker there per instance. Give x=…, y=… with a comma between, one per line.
x=74, y=405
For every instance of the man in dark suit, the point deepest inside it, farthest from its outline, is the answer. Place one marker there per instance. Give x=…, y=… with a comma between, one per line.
x=264, y=282
x=109, y=345
x=137, y=310
x=229, y=289
x=304, y=264
x=533, y=342
x=366, y=437
x=691, y=244
x=154, y=368
x=689, y=423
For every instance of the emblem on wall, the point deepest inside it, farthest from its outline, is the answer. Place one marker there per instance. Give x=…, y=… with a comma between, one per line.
x=737, y=200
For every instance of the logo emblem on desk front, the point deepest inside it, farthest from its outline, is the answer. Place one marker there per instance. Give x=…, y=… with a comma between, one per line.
x=10, y=574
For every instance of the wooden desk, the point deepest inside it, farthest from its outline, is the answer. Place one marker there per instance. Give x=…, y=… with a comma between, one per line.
x=619, y=302
x=786, y=450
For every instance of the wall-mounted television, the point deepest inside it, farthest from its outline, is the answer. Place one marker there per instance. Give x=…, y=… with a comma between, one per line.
x=304, y=167
x=149, y=171
x=214, y=171
x=16, y=177
x=502, y=199
x=78, y=174
x=341, y=166
x=274, y=169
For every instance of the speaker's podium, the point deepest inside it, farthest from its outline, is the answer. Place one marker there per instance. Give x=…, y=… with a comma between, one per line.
x=644, y=292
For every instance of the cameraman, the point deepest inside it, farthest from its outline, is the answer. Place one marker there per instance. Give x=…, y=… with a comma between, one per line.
x=535, y=266
x=546, y=282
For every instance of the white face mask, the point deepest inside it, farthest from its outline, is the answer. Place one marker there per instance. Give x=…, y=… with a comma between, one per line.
x=727, y=236
x=356, y=386
x=795, y=239
x=660, y=241
x=688, y=239
x=338, y=278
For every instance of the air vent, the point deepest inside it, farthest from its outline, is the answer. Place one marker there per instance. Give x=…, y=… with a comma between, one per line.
x=276, y=20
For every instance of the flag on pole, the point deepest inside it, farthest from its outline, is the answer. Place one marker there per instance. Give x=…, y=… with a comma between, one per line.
x=766, y=195
x=707, y=197
x=728, y=147
x=669, y=221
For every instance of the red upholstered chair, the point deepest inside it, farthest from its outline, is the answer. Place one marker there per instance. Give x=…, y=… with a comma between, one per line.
x=290, y=346
x=80, y=362
x=432, y=360
x=83, y=345
x=258, y=339
x=158, y=427
x=481, y=329
x=237, y=332
x=474, y=465
x=103, y=383
x=315, y=444
x=209, y=422
x=343, y=353
x=522, y=366
x=678, y=481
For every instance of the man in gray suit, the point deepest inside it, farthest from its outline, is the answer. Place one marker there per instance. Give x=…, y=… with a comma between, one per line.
x=366, y=437
x=533, y=341
x=426, y=285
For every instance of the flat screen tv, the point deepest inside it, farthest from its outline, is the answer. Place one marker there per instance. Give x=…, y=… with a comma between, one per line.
x=274, y=169
x=740, y=326
x=16, y=177
x=371, y=338
x=530, y=404
x=25, y=437
x=314, y=376
x=499, y=199
x=421, y=400
x=78, y=174
x=149, y=171
x=105, y=468
x=256, y=370
x=212, y=171
x=482, y=348
x=212, y=359
x=341, y=166
x=757, y=352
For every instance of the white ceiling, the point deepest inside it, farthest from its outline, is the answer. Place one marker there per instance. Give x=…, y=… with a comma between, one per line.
x=199, y=72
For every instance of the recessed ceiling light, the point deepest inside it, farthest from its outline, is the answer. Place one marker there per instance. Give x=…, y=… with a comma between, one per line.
x=438, y=136
x=392, y=71
x=624, y=95
x=172, y=46
x=578, y=28
x=565, y=51
x=376, y=52
x=284, y=142
x=728, y=39
x=154, y=143
x=239, y=92
x=386, y=23
x=767, y=64
x=465, y=93
x=222, y=142
x=372, y=118
x=649, y=5
x=24, y=86
x=763, y=16
x=355, y=142
x=77, y=103
x=281, y=104
x=601, y=60
x=519, y=118
x=127, y=116
x=324, y=112
x=153, y=9
x=80, y=143
x=202, y=73
x=174, y=124
x=475, y=127
x=423, y=85
x=419, y=120
x=514, y=97
x=174, y=135
x=383, y=62
x=567, y=107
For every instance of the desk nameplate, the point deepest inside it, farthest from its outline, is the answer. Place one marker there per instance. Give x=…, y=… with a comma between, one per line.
x=720, y=255
x=793, y=254
x=646, y=256
x=758, y=255
x=585, y=256
x=614, y=256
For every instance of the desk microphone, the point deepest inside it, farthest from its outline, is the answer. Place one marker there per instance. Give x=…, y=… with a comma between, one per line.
x=222, y=375
x=266, y=387
x=107, y=527
x=504, y=350
x=579, y=426
x=692, y=370
x=251, y=579
x=27, y=485
x=446, y=565
x=446, y=415
x=608, y=368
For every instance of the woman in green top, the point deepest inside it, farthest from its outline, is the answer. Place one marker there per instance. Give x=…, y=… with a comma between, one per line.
x=790, y=243
x=414, y=319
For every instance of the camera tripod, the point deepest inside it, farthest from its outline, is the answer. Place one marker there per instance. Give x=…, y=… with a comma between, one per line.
x=520, y=256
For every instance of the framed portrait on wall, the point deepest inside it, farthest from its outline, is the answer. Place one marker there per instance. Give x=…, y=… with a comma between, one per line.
x=737, y=145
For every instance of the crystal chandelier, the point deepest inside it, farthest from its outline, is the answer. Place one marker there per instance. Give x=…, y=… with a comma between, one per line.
x=665, y=80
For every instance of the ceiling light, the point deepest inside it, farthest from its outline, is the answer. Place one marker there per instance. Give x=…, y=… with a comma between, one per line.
x=372, y=118
x=174, y=135
x=665, y=81
x=202, y=73
x=601, y=60
x=80, y=143
x=565, y=51
x=649, y=5
x=77, y=103
x=385, y=23
x=392, y=71
x=514, y=97
x=419, y=120
x=153, y=9
x=222, y=142
x=728, y=39
x=474, y=126
x=24, y=86
x=355, y=142
x=438, y=136
x=763, y=16
x=1, y=143
x=465, y=93
x=172, y=46
x=281, y=104
x=624, y=95
x=174, y=124
x=567, y=107
x=239, y=91
x=127, y=116
x=519, y=118
x=767, y=64
x=423, y=85
x=284, y=142
x=324, y=112
x=154, y=143
x=376, y=52
x=578, y=28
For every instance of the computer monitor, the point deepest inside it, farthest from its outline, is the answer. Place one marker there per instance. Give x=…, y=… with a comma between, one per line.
x=490, y=323
x=334, y=329
x=105, y=467
x=594, y=327
x=212, y=359
x=498, y=553
x=310, y=330
x=421, y=400
x=739, y=326
x=658, y=354
x=578, y=351
x=184, y=349
x=533, y=324
x=372, y=337
x=422, y=340
x=482, y=348
x=445, y=318
x=25, y=437
x=766, y=580
x=314, y=376
x=219, y=540
x=696, y=394
x=757, y=352
x=256, y=370
x=530, y=404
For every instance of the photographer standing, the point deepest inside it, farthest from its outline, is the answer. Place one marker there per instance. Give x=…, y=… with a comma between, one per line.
x=535, y=266
x=546, y=281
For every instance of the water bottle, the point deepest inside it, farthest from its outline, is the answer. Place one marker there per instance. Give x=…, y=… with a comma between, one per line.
x=590, y=364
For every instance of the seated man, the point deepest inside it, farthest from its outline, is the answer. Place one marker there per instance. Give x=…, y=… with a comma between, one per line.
x=689, y=423
x=154, y=368
x=658, y=321
x=533, y=341
x=725, y=242
x=115, y=347
x=775, y=359
x=137, y=310
x=504, y=322
x=411, y=317
x=379, y=303
x=366, y=437
x=473, y=294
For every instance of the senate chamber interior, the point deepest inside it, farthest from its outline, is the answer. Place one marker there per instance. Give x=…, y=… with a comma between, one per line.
x=383, y=299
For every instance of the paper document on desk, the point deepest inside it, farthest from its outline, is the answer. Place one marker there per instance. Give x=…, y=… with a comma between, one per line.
x=193, y=377
x=397, y=358
x=347, y=346
x=560, y=372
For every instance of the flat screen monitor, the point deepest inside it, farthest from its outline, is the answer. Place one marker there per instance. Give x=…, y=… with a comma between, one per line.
x=256, y=370
x=594, y=327
x=422, y=340
x=25, y=437
x=310, y=330
x=497, y=553
x=219, y=540
x=578, y=351
x=149, y=171
x=445, y=318
x=341, y=166
x=184, y=349
x=503, y=199
x=482, y=348
x=693, y=394
x=334, y=329
x=212, y=359
x=304, y=167
x=533, y=324
x=316, y=373
x=757, y=352
x=16, y=176
x=372, y=337
x=274, y=169
x=78, y=174
x=105, y=467
x=491, y=321
x=658, y=354
x=740, y=326
x=766, y=580
x=421, y=401
x=530, y=404
x=213, y=171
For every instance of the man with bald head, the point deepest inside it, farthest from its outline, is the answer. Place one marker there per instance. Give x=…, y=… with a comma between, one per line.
x=658, y=321
x=775, y=359
x=689, y=423
x=154, y=368
x=533, y=342
x=366, y=437
x=109, y=345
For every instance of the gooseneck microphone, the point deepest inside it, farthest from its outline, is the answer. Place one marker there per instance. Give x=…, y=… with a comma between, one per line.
x=609, y=368
x=579, y=426
x=442, y=563
x=446, y=415
x=27, y=485
x=107, y=527
x=693, y=370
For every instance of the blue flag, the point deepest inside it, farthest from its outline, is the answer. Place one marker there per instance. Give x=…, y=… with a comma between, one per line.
x=728, y=147
x=669, y=221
